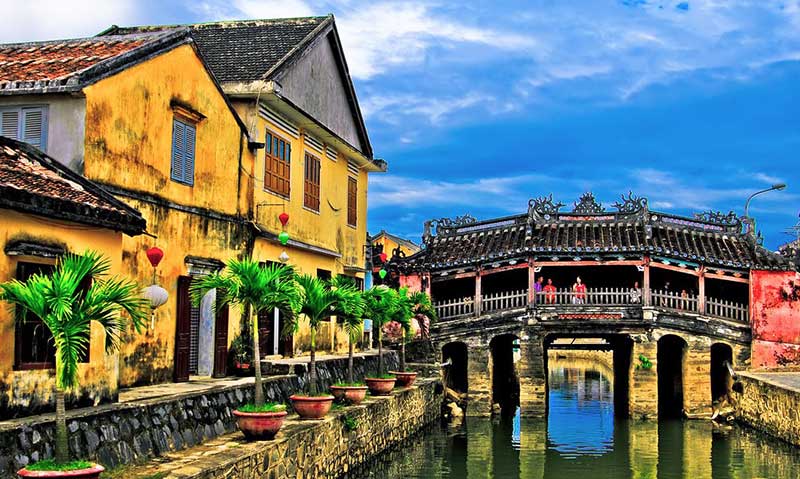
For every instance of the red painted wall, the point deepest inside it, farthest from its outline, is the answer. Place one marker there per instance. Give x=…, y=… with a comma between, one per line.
x=775, y=317
x=413, y=282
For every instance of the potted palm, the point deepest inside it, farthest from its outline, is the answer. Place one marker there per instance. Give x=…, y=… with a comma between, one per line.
x=350, y=312
x=318, y=304
x=77, y=293
x=380, y=302
x=240, y=351
x=255, y=288
x=401, y=314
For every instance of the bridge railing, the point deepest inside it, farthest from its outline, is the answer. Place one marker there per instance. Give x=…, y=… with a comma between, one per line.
x=453, y=308
x=593, y=296
x=674, y=300
x=727, y=309
x=504, y=300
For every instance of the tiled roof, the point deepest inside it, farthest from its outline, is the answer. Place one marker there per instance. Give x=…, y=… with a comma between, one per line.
x=67, y=65
x=32, y=182
x=588, y=236
x=244, y=50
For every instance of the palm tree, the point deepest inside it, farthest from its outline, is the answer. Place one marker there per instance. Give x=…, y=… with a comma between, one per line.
x=380, y=303
x=318, y=303
x=67, y=300
x=350, y=311
x=401, y=314
x=255, y=288
x=423, y=308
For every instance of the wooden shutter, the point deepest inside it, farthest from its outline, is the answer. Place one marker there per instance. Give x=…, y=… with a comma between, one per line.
x=221, y=341
x=188, y=155
x=9, y=123
x=312, y=182
x=178, y=130
x=33, y=127
x=182, y=330
x=277, y=164
x=352, y=201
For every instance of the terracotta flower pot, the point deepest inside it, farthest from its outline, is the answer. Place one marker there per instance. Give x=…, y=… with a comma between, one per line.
x=242, y=369
x=89, y=473
x=379, y=386
x=258, y=426
x=311, y=407
x=404, y=379
x=351, y=394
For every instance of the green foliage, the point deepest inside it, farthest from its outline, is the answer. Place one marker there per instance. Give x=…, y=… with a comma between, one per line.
x=350, y=385
x=349, y=306
x=241, y=350
x=383, y=376
x=379, y=302
x=318, y=301
x=52, y=465
x=266, y=407
x=644, y=362
x=424, y=306
x=67, y=307
x=350, y=423
x=403, y=311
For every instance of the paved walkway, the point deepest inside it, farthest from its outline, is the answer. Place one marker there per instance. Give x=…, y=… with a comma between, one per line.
x=789, y=380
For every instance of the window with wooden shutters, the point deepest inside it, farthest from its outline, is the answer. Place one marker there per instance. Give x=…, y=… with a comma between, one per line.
x=184, y=136
x=277, y=163
x=312, y=182
x=352, y=201
x=25, y=123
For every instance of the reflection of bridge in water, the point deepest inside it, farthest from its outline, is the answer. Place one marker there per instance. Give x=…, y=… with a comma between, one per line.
x=668, y=295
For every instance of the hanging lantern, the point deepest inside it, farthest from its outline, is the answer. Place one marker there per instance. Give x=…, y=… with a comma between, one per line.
x=283, y=237
x=155, y=255
x=283, y=257
x=383, y=257
x=284, y=217
x=156, y=295
x=382, y=273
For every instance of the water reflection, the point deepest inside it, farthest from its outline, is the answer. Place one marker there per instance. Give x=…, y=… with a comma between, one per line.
x=580, y=439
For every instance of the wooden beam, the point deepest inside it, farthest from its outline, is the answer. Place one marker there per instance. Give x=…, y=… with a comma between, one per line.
x=724, y=277
x=435, y=278
x=590, y=263
x=701, y=291
x=485, y=271
x=478, y=294
x=677, y=269
x=646, y=283
x=531, y=282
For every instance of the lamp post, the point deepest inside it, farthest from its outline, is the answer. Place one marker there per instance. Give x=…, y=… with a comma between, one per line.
x=751, y=222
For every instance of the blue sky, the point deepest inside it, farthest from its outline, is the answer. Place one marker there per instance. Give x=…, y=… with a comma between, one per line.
x=478, y=106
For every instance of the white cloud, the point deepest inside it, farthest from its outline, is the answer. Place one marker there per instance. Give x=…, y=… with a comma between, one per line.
x=767, y=178
x=393, y=108
x=239, y=9
x=53, y=19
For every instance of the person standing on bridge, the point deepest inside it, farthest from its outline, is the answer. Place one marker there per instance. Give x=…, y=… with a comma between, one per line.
x=537, y=288
x=636, y=293
x=579, y=290
x=550, y=291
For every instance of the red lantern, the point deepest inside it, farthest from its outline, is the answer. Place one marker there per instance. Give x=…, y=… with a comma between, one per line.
x=383, y=257
x=155, y=254
x=284, y=217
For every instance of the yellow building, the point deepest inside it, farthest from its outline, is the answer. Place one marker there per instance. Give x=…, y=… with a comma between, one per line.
x=211, y=147
x=300, y=108
x=388, y=246
x=47, y=210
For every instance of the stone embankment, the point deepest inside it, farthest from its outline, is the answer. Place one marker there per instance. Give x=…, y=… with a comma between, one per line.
x=143, y=428
x=770, y=402
x=313, y=449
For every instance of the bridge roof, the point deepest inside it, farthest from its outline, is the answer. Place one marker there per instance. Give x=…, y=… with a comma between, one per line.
x=589, y=232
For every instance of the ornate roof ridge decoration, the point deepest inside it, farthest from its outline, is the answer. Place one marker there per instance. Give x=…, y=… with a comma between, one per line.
x=445, y=226
x=631, y=204
x=718, y=217
x=544, y=207
x=588, y=205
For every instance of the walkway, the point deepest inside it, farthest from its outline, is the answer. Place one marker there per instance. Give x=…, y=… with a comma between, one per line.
x=788, y=380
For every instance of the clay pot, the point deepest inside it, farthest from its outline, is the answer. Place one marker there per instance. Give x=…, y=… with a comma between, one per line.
x=89, y=473
x=242, y=369
x=311, y=407
x=259, y=426
x=404, y=379
x=380, y=387
x=351, y=394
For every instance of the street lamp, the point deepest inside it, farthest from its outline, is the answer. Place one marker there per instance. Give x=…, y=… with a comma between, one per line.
x=775, y=187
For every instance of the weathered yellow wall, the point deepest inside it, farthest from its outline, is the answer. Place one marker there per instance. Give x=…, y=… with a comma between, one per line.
x=128, y=144
x=98, y=378
x=389, y=245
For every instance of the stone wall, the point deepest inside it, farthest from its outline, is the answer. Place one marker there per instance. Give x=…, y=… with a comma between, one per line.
x=124, y=433
x=769, y=407
x=326, y=448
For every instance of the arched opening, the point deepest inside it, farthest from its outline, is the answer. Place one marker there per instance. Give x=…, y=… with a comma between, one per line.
x=721, y=380
x=623, y=356
x=505, y=381
x=670, y=364
x=455, y=375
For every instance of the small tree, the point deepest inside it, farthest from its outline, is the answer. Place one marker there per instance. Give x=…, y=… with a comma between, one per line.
x=67, y=300
x=423, y=310
x=318, y=303
x=350, y=311
x=401, y=314
x=256, y=288
x=380, y=303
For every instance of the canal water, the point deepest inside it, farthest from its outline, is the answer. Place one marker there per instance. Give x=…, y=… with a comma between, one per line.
x=581, y=439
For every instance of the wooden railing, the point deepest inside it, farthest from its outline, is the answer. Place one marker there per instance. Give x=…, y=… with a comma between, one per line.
x=453, y=308
x=504, y=300
x=595, y=296
x=727, y=309
x=660, y=299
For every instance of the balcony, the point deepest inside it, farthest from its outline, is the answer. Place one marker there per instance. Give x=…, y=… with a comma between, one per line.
x=566, y=298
